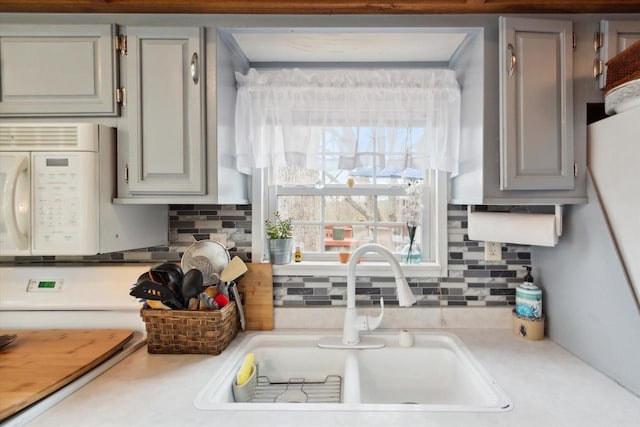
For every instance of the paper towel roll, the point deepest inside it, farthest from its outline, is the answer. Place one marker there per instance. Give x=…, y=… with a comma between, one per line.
x=505, y=227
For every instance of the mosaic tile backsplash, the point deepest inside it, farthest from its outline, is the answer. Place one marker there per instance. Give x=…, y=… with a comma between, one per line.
x=471, y=281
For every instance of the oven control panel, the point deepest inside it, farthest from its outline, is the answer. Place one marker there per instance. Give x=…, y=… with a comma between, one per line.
x=38, y=285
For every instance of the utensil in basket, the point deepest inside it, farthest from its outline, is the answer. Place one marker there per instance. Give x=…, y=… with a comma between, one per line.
x=192, y=285
x=233, y=270
x=236, y=297
x=208, y=256
x=151, y=290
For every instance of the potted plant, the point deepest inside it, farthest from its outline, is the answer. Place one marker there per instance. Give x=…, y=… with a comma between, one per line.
x=279, y=239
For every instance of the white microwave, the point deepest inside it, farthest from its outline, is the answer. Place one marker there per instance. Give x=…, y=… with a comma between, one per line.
x=57, y=182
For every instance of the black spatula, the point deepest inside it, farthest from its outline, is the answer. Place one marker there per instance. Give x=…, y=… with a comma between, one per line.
x=151, y=290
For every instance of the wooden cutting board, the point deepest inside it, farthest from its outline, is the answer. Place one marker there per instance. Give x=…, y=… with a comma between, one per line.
x=40, y=362
x=257, y=287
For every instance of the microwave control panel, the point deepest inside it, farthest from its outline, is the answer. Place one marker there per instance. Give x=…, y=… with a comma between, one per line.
x=64, y=204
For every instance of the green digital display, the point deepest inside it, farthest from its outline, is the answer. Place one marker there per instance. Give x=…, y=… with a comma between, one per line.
x=46, y=285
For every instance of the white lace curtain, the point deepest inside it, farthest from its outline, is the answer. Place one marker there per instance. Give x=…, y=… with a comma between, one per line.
x=346, y=119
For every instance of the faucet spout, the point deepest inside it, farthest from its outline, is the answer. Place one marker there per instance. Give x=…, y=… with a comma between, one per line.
x=405, y=296
x=354, y=323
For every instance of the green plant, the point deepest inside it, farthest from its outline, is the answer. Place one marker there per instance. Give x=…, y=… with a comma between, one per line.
x=280, y=229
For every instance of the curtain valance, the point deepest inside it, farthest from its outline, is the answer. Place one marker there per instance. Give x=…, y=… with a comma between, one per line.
x=345, y=119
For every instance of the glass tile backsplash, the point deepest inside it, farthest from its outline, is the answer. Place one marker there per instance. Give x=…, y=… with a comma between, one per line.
x=471, y=281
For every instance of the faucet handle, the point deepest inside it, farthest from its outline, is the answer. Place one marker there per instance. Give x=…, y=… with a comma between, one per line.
x=374, y=322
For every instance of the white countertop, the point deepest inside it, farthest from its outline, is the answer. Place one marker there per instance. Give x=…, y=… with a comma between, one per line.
x=548, y=387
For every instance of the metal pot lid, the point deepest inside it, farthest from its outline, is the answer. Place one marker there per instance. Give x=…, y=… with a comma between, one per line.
x=208, y=256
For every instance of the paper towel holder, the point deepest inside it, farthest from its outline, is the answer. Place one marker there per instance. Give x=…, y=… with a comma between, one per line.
x=557, y=214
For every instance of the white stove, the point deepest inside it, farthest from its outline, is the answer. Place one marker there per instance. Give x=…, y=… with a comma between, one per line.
x=71, y=297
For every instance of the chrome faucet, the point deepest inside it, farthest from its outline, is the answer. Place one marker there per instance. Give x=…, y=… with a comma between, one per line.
x=354, y=323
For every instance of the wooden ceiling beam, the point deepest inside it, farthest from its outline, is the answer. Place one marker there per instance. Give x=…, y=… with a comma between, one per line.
x=320, y=6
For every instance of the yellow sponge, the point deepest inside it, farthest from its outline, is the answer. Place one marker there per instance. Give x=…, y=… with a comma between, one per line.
x=245, y=370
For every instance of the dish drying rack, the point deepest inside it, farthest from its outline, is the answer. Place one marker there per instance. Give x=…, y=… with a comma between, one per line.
x=297, y=390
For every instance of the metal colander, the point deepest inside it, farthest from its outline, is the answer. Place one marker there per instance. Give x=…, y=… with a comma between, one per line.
x=208, y=256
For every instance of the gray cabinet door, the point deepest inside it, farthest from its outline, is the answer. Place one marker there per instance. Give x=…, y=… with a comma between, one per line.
x=536, y=104
x=165, y=110
x=57, y=70
x=616, y=36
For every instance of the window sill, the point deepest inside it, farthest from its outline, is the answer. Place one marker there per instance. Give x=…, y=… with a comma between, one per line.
x=375, y=269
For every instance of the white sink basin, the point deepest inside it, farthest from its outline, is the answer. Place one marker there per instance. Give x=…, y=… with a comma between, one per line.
x=437, y=371
x=437, y=374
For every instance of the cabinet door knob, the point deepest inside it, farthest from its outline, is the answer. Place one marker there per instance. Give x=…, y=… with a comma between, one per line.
x=512, y=64
x=194, y=68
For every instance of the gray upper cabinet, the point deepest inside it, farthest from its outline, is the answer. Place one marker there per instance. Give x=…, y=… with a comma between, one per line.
x=57, y=70
x=165, y=111
x=536, y=104
x=523, y=121
x=614, y=37
x=176, y=80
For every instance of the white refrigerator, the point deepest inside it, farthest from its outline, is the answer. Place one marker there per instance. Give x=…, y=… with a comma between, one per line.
x=613, y=157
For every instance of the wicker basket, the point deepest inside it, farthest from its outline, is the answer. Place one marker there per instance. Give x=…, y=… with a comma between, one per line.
x=190, y=331
x=623, y=67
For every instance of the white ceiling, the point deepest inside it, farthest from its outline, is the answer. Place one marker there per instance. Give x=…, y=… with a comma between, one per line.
x=349, y=46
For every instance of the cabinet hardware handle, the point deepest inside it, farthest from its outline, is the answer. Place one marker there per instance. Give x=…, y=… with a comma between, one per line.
x=598, y=41
x=512, y=64
x=194, y=68
x=598, y=68
x=121, y=44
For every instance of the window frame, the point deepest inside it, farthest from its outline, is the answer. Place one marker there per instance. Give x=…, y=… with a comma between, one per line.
x=437, y=199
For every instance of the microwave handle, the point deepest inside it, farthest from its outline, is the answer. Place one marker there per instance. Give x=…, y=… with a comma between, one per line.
x=9, y=203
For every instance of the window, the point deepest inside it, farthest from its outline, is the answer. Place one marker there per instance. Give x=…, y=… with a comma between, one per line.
x=351, y=156
x=336, y=211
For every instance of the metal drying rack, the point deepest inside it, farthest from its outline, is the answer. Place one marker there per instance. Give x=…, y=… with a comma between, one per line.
x=298, y=390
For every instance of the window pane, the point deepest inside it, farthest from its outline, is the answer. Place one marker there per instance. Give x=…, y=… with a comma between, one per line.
x=362, y=233
x=335, y=177
x=349, y=208
x=301, y=208
x=293, y=175
x=308, y=237
x=390, y=208
x=338, y=238
x=331, y=223
x=390, y=237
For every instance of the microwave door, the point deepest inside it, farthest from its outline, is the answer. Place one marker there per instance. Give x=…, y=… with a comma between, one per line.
x=15, y=218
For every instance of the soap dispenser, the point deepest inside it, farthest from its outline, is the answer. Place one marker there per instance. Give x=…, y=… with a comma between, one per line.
x=529, y=298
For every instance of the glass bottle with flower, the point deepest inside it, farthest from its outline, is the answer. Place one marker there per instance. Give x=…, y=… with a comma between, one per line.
x=411, y=213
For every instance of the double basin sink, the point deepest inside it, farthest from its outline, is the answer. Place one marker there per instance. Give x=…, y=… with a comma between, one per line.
x=437, y=373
